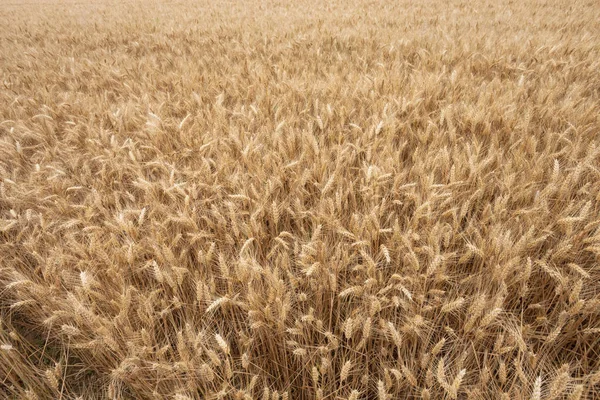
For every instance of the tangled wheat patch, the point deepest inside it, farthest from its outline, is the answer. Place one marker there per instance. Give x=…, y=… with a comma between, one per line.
x=281, y=200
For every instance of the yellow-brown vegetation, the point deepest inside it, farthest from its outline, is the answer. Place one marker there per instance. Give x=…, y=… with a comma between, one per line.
x=300, y=200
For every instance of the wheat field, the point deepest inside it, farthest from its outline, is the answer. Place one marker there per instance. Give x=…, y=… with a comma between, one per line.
x=287, y=200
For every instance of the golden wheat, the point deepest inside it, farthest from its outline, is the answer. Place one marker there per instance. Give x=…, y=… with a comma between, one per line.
x=297, y=200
